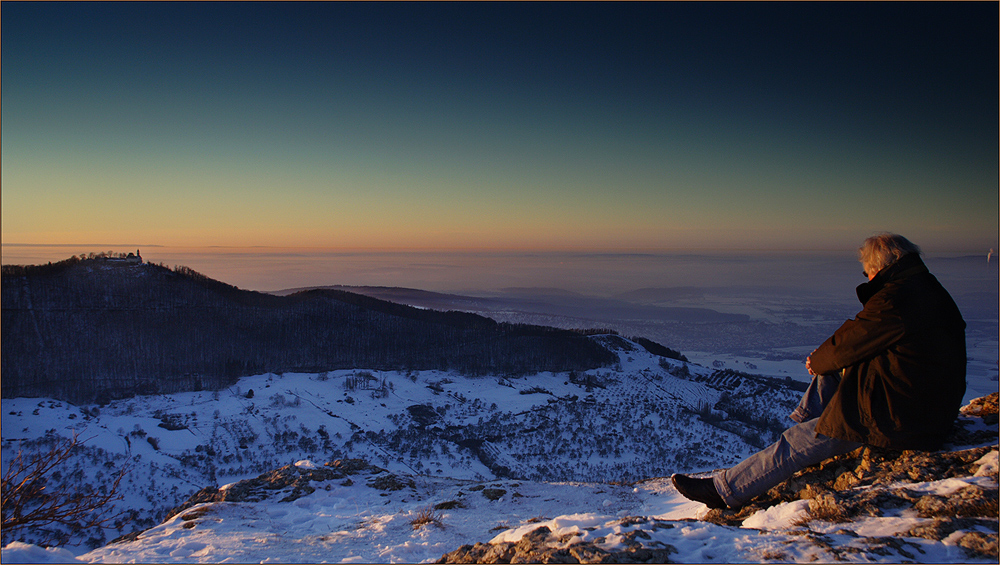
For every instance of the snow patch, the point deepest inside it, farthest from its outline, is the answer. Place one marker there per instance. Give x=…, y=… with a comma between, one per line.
x=778, y=517
x=18, y=552
x=989, y=465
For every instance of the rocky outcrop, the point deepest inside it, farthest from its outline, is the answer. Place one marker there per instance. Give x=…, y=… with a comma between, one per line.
x=541, y=546
x=292, y=482
x=985, y=408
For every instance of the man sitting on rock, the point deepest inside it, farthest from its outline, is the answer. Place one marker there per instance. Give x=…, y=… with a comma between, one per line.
x=892, y=377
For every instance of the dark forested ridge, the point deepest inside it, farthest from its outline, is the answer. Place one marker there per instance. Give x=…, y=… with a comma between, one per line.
x=91, y=330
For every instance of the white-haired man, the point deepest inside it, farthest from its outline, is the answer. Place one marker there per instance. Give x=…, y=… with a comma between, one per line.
x=894, y=377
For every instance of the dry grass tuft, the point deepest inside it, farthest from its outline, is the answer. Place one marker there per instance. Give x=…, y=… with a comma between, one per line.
x=426, y=517
x=773, y=555
x=824, y=507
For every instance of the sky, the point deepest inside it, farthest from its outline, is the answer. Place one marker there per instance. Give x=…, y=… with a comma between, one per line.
x=500, y=126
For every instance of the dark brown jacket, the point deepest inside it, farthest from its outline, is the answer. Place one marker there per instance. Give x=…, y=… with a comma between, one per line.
x=904, y=361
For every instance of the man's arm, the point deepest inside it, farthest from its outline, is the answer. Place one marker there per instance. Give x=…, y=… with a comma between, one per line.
x=873, y=330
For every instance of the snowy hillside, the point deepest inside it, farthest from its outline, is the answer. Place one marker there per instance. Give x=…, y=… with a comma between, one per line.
x=373, y=466
x=646, y=416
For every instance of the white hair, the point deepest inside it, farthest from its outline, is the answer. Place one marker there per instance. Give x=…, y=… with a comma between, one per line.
x=883, y=249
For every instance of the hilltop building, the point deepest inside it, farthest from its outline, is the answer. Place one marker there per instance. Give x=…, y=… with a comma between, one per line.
x=130, y=259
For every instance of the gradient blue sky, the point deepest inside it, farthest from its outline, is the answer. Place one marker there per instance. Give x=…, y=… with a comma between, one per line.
x=500, y=126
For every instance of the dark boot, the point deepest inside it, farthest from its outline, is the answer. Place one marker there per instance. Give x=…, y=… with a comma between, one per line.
x=699, y=490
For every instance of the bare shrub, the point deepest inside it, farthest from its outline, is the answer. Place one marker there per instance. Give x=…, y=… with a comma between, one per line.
x=26, y=502
x=426, y=517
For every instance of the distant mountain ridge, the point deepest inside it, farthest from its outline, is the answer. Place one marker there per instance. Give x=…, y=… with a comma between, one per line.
x=90, y=330
x=549, y=301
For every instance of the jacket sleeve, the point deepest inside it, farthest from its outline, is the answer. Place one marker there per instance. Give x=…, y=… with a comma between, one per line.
x=875, y=329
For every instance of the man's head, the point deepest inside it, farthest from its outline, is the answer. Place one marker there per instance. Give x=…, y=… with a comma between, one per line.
x=881, y=250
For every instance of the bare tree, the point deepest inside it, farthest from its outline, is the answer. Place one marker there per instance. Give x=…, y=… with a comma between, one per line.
x=26, y=500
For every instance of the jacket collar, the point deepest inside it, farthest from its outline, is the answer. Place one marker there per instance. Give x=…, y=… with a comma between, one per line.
x=906, y=266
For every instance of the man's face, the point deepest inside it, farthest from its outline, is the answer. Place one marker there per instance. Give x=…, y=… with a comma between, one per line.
x=870, y=273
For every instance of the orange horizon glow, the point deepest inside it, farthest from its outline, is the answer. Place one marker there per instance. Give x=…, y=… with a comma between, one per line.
x=632, y=132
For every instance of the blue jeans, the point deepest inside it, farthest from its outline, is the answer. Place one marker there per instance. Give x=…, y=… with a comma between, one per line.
x=799, y=447
x=816, y=397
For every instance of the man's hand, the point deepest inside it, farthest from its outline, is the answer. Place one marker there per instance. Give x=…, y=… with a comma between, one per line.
x=809, y=364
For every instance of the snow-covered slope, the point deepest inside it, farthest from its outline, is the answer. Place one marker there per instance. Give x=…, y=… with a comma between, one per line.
x=646, y=416
x=372, y=516
x=450, y=461
x=366, y=514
